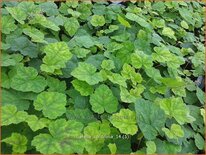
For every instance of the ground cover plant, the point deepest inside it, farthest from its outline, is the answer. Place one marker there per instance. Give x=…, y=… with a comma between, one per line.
x=102, y=77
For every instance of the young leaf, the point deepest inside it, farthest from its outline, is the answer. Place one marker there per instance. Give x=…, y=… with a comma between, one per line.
x=108, y=65
x=35, y=123
x=151, y=147
x=175, y=131
x=84, y=88
x=123, y=21
x=125, y=121
x=97, y=20
x=112, y=148
x=128, y=72
x=175, y=107
x=126, y=96
x=117, y=79
x=10, y=115
x=169, y=33
x=18, y=142
x=57, y=54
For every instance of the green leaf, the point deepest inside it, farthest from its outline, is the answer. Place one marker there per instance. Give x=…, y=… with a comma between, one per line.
x=52, y=104
x=97, y=20
x=125, y=121
x=123, y=21
x=141, y=21
x=184, y=24
x=8, y=24
x=93, y=132
x=198, y=59
x=113, y=46
x=82, y=115
x=162, y=54
x=35, y=34
x=13, y=98
x=126, y=96
x=103, y=100
x=128, y=72
x=71, y=25
x=175, y=131
x=139, y=59
x=169, y=33
x=17, y=14
x=137, y=91
x=108, y=65
x=121, y=37
x=173, y=83
x=202, y=112
x=50, y=8
x=69, y=67
x=35, y=123
x=29, y=7
x=43, y=21
x=44, y=143
x=57, y=55
x=18, y=142
x=85, y=41
x=164, y=147
x=199, y=141
x=5, y=81
x=80, y=52
x=64, y=138
x=87, y=72
x=150, y=118
x=27, y=79
x=11, y=60
x=159, y=6
x=25, y=46
x=85, y=10
x=73, y=13
x=158, y=23
x=151, y=147
x=111, y=29
x=84, y=88
x=143, y=41
x=117, y=79
x=55, y=85
x=175, y=107
x=112, y=148
x=187, y=15
x=200, y=95
x=154, y=74
x=10, y=115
